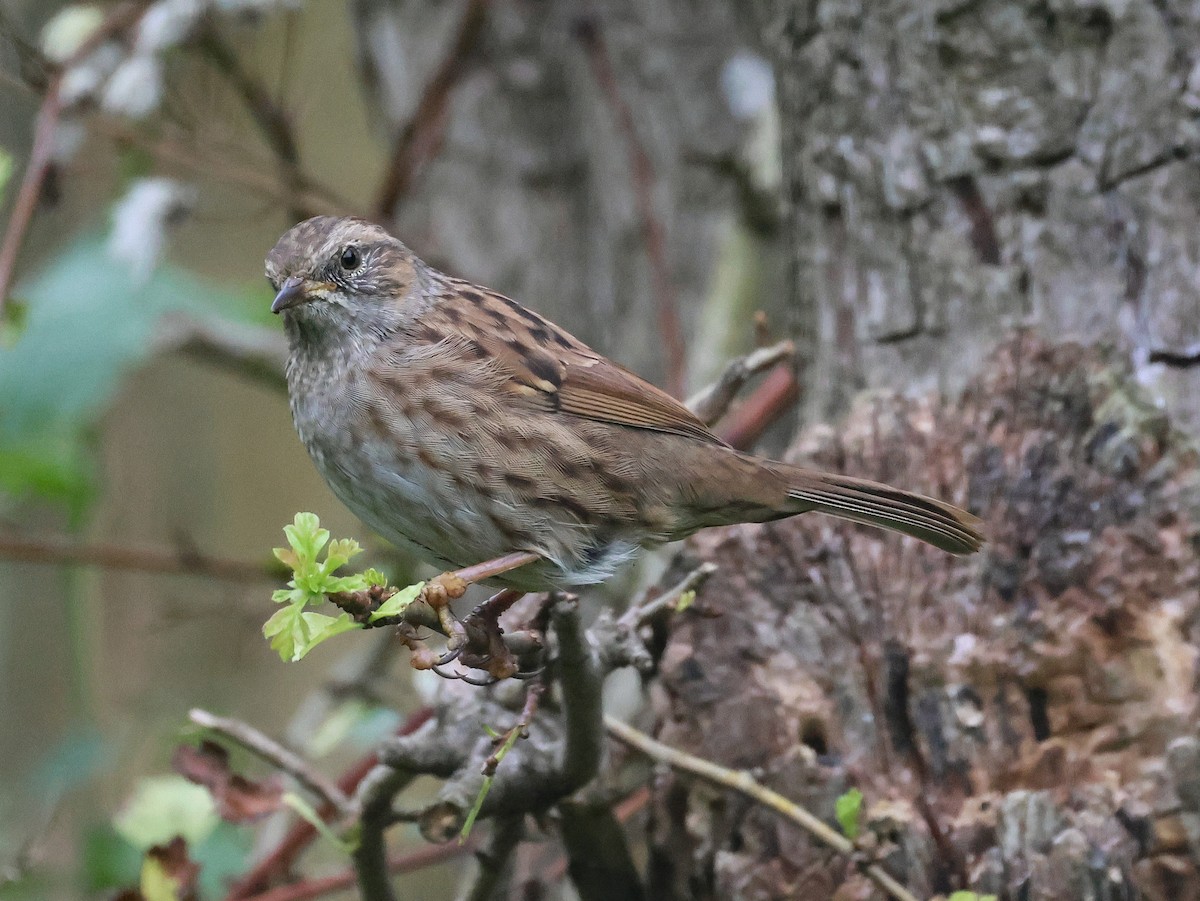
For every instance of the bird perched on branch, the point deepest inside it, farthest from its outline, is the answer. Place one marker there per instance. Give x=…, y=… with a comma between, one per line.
x=460, y=425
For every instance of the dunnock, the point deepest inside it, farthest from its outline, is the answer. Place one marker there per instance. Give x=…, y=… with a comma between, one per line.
x=463, y=426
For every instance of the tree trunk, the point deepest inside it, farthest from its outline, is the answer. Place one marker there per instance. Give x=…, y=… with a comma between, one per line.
x=1021, y=722
x=959, y=167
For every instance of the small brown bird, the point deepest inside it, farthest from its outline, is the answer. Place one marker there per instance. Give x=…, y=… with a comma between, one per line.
x=463, y=426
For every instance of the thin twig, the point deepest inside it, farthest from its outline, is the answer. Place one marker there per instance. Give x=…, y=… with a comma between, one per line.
x=489, y=569
x=711, y=403
x=276, y=754
x=742, y=782
x=272, y=121
x=519, y=728
x=256, y=353
x=650, y=607
x=54, y=551
x=278, y=862
x=654, y=233
x=41, y=153
x=316, y=197
x=40, y=156
x=420, y=140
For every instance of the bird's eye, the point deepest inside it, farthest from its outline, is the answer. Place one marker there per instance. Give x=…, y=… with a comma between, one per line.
x=350, y=259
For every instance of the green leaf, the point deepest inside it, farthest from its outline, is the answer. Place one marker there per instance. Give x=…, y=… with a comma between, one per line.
x=321, y=628
x=970, y=896
x=685, y=600
x=293, y=631
x=6, y=171
x=88, y=325
x=848, y=810
x=284, y=630
x=306, y=812
x=163, y=807
x=288, y=596
x=399, y=602
x=109, y=860
x=340, y=553
x=156, y=883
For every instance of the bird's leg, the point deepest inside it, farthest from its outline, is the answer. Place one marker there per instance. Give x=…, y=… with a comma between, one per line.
x=485, y=648
x=494, y=607
x=449, y=586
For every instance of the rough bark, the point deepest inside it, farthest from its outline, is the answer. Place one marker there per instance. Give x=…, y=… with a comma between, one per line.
x=957, y=167
x=535, y=189
x=1021, y=722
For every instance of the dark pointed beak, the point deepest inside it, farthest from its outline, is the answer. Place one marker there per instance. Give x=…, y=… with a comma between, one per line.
x=292, y=293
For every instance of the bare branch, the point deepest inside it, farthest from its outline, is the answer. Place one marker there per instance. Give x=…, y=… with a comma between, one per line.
x=56, y=551
x=743, y=783
x=494, y=859
x=650, y=607
x=435, y=750
x=580, y=680
x=315, y=197
x=279, y=860
x=598, y=857
x=271, y=120
x=276, y=754
x=41, y=153
x=711, y=403
x=420, y=140
x=257, y=354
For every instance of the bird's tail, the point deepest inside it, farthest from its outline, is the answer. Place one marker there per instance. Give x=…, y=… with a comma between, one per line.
x=940, y=524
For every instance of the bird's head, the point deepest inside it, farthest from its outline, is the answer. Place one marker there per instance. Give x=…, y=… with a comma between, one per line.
x=335, y=273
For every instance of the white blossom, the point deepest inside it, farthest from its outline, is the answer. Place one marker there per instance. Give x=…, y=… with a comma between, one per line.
x=748, y=84
x=135, y=88
x=142, y=220
x=167, y=24
x=84, y=80
x=67, y=31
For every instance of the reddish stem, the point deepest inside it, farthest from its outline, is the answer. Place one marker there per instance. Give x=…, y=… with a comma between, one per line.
x=41, y=153
x=670, y=326
x=420, y=140
x=278, y=863
x=777, y=393
x=422, y=857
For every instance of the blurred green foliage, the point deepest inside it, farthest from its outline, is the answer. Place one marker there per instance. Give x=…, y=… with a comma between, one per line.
x=86, y=324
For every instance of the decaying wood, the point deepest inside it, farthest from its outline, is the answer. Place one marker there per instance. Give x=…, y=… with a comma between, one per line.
x=1021, y=722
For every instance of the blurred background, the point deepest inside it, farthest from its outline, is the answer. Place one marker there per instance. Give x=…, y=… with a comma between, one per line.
x=895, y=186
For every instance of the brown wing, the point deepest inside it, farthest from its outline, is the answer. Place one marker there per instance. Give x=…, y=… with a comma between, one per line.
x=555, y=370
